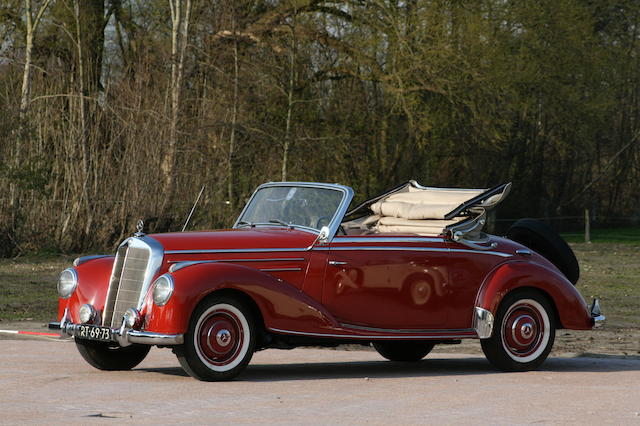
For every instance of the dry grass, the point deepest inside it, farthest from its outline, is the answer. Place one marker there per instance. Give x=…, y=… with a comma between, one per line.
x=28, y=287
x=611, y=271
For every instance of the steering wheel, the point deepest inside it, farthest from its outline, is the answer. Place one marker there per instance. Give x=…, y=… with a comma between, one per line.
x=319, y=223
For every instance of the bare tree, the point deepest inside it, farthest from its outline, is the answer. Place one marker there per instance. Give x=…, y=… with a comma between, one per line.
x=180, y=16
x=234, y=113
x=290, y=95
x=32, y=26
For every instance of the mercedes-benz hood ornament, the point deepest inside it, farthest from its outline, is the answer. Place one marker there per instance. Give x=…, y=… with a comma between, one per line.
x=139, y=228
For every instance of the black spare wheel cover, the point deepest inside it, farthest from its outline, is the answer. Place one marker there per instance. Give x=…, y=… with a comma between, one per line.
x=541, y=238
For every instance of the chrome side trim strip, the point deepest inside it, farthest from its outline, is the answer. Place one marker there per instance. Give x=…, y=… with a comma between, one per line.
x=251, y=250
x=178, y=264
x=493, y=253
x=84, y=259
x=483, y=322
x=281, y=269
x=276, y=259
x=400, y=330
x=378, y=239
x=464, y=335
x=381, y=248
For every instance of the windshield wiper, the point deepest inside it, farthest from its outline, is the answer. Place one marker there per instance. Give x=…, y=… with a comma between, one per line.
x=280, y=222
x=244, y=223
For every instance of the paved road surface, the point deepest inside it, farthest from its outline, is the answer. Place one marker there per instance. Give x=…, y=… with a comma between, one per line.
x=46, y=381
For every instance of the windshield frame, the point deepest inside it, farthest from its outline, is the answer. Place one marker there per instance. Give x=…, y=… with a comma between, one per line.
x=334, y=223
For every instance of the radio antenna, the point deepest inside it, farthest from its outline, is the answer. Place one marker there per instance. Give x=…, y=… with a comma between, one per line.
x=186, y=222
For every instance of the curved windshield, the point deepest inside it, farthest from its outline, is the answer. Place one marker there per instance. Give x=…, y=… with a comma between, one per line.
x=308, y=207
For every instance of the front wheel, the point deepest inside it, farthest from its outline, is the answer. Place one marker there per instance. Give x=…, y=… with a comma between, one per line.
x=220, y=340
x=523, y=332
x=403, y=351
x=105, y=357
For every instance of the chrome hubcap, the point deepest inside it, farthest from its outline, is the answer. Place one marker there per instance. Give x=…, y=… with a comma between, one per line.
x=526, y=330
x=223, y=337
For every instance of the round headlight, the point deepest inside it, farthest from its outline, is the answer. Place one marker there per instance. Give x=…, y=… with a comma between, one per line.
x=162, y=290
x=87, y=313
x=67, y=283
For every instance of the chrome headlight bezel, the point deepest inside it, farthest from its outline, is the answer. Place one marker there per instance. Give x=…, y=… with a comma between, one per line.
x=67, y=283
x=162, y=289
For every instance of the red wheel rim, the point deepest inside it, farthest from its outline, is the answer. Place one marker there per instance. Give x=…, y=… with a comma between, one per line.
x=525, y=330
x=219, y=337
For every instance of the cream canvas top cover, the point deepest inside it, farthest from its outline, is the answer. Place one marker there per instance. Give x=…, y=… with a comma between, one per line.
x=423, y=203
x=422, y=210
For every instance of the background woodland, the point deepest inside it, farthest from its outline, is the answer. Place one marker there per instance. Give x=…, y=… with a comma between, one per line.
x=116, y=110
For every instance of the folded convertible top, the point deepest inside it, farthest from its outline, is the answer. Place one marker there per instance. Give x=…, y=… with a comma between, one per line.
x=414, y=208
x=456, y=201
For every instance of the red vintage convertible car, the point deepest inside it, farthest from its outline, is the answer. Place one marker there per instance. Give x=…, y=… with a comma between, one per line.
x=403, y=271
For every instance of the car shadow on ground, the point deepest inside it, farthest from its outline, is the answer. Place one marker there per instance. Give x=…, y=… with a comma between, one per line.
x=429, y=367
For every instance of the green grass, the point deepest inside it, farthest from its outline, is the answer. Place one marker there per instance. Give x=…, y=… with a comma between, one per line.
x=611, y=271
x=28, y=287
x=607, y=235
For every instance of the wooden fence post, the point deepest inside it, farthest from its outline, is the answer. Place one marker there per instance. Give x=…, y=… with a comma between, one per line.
x=587, y=227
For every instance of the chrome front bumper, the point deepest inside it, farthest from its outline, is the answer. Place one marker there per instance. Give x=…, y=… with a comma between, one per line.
x=123, y=336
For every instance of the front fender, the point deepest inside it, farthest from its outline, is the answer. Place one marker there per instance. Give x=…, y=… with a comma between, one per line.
x=93, y=286
x=571, y=307
x=282, y=305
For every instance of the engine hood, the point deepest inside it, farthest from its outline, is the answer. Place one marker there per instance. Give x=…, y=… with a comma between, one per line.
x=236, y=239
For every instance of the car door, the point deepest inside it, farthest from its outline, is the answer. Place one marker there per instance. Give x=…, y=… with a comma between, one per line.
x=388, y=282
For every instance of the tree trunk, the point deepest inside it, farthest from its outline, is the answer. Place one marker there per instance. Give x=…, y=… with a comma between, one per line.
x=84, y=128
x=179, y=33
x=26, y=74
x=32, y=26
x=290, y=101
x=234, y=117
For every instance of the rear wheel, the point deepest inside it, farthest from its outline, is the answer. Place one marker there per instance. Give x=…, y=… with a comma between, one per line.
x=220, y=341
x=523, y=332
x=404, y=351
x=105, y=357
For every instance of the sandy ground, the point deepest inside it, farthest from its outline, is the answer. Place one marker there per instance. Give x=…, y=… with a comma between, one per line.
x=46, y=381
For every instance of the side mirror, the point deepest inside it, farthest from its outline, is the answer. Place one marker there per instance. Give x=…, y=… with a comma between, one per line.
x=322, y=238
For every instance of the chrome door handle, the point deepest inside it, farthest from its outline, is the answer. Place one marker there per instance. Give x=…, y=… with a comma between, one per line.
x=336, y=263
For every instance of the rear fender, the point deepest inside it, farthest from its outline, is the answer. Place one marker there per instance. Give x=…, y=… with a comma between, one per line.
x=282, y=305
x=570, y=306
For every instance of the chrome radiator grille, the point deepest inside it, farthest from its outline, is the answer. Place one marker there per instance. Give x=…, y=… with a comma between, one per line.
x=130, y=277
